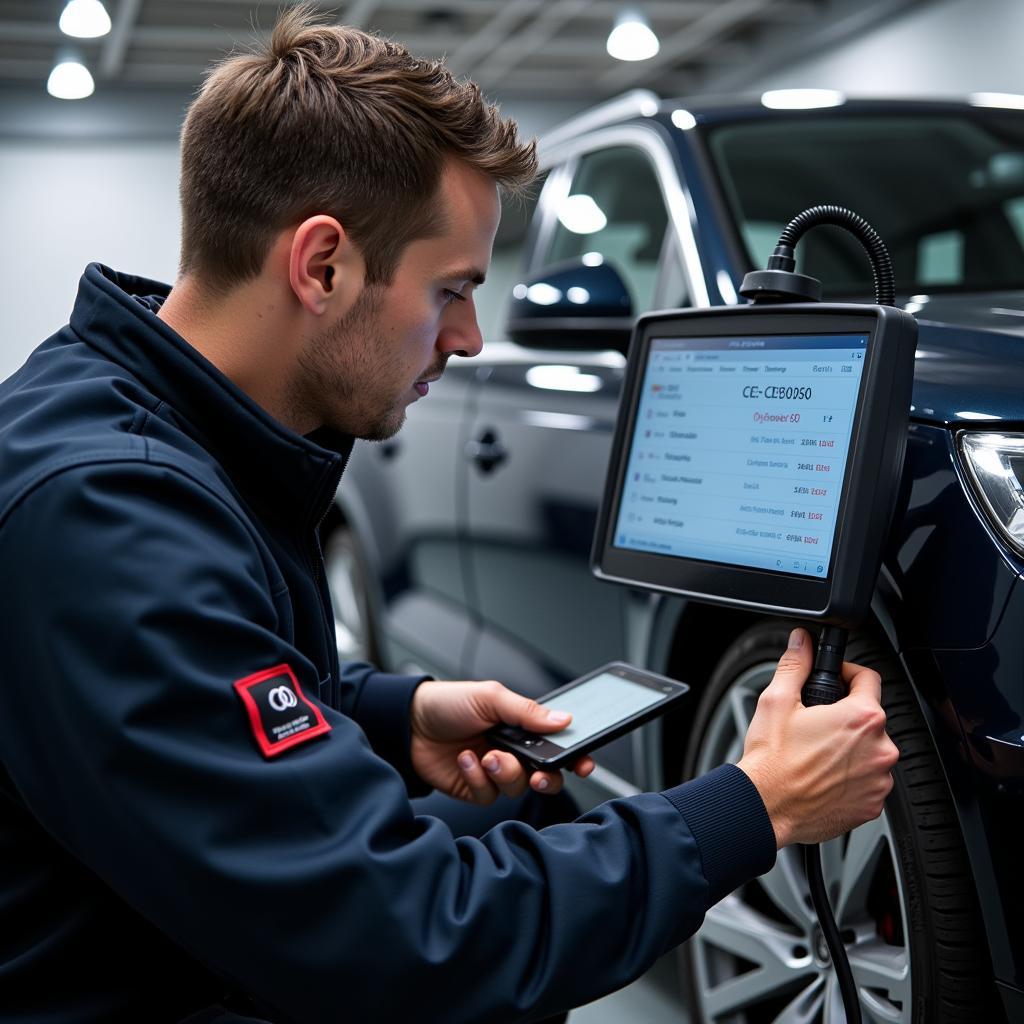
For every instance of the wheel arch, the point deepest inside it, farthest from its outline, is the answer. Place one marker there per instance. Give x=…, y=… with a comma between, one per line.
x=688, y=639
x=346, y=512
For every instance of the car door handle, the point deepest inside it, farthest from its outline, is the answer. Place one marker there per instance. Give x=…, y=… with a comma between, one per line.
x=486, y=451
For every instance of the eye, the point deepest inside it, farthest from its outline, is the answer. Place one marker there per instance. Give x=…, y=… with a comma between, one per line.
x=450, y=297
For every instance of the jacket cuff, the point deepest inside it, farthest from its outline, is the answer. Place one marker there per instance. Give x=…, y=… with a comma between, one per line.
x=726, y=816
x=384, y=714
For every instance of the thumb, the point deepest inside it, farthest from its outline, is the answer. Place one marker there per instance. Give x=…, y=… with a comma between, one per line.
x=514, y=709
x=795, y=664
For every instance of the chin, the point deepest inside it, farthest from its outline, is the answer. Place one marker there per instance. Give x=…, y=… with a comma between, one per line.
x=384, y=429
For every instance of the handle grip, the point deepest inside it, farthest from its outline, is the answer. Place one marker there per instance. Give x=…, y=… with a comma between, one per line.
x=825, y=683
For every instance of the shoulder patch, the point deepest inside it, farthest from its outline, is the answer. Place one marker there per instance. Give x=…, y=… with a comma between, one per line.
x=279, y=712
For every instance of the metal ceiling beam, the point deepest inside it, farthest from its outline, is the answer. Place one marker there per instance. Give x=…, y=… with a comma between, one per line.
x=518, y=49
x=693, y=39
x=518, y=81
x=536, y=37
x=596, y=8
x=30, y=32
x=842, y=22
x=517, y=46
x=25, y=67
x=115, y=46
x=480, y=44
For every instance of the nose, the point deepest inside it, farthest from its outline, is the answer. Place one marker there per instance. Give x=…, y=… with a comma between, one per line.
x=461, y=335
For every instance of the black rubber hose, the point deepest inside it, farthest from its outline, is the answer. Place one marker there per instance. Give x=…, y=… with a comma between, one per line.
x=830, y=931
x=825, y=686
x=840, y=217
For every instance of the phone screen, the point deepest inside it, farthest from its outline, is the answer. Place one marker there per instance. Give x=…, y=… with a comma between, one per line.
x=600, y=703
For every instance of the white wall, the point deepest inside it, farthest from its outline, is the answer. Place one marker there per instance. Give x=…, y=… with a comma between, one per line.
x=65, y=204
x=941, y=49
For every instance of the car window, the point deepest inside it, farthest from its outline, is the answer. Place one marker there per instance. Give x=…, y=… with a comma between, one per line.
x=944, y=192
x=507, y=257
x=615, y=208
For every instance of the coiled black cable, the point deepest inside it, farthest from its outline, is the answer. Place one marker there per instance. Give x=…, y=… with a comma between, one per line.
x=840, y=217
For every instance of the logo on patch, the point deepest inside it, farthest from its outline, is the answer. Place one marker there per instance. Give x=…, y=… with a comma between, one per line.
x=279, y=712
x=281, y=698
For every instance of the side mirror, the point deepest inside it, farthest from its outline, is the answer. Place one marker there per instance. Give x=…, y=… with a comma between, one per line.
x=572, y=305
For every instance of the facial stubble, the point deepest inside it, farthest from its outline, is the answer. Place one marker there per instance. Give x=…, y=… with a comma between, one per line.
x=351, y=376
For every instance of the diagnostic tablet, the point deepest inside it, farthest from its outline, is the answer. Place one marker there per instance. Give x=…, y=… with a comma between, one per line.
x=757, y=456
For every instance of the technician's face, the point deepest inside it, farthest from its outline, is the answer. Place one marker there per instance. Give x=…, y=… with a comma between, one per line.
x=378, y=359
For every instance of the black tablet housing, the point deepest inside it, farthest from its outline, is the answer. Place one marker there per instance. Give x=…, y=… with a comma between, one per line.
x=757, y=456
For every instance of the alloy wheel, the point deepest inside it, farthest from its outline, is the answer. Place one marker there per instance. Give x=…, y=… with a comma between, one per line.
x=759, y=955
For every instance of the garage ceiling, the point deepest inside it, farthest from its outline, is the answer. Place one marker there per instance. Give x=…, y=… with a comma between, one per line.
x=523, y=47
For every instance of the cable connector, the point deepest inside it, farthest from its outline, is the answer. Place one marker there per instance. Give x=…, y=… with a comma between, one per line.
x=825, y=683
x=782, y=259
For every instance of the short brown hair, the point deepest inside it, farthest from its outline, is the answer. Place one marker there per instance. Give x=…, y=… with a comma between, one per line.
x=329, y=119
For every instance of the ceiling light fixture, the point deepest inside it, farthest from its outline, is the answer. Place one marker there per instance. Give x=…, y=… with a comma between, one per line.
x=85, y=19
x=70, y=80
x=632, y=38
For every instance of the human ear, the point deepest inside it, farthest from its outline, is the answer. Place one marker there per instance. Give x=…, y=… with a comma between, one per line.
x=325, y=270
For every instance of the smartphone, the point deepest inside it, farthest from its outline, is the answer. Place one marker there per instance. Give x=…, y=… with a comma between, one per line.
x=604, y=704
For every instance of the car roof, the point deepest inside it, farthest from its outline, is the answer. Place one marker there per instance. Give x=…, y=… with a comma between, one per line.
x=712, y=110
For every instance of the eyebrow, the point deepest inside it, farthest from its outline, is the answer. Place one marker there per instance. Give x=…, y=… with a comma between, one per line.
x=470, y=274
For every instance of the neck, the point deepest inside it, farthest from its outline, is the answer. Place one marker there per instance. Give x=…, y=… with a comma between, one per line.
x=244, y=334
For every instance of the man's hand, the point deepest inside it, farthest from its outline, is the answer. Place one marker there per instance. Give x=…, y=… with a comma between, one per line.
x=821, y=771
x=449, y=750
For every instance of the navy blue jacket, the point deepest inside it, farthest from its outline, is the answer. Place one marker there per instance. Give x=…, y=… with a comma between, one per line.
x=195, y=799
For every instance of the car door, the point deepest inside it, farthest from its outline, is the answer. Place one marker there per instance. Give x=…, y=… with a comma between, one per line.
x=400, y=499
x=540, y=431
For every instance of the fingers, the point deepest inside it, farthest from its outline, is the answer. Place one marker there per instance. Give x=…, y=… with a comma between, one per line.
x=515, y=709
x=548, y=783
x=499, y=772
x=863, y=681
x=798, y=659
x=794, y=665
x=481, y=789
x=552, y=782
x=496, y=772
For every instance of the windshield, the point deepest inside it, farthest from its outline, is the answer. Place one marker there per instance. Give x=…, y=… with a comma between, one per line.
x=945, y=192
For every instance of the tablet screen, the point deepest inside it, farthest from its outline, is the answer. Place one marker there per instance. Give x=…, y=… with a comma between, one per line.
x=739, y=450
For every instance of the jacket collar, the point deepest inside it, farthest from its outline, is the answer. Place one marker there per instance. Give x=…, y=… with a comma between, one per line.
x=288, y=474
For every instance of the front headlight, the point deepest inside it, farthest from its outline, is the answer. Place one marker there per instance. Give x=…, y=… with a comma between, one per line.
x=995, y=465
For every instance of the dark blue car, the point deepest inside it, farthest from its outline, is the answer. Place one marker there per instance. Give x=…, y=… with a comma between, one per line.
x=461, y=546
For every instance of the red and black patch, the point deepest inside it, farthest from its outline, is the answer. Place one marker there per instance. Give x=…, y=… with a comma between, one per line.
x=279, y=712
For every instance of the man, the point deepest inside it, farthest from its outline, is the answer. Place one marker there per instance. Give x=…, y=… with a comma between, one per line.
x=198, y=807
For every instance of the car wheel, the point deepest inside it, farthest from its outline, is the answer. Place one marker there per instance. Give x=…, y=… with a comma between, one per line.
x=348, y=582
x=899, y=886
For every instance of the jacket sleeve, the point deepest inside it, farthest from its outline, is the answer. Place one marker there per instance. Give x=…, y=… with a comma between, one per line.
x=133, y=599
x=381, y=703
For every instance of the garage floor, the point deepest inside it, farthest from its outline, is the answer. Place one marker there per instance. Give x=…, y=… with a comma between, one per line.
x=652, y=999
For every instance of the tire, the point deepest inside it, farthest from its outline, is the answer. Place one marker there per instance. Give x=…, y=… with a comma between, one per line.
x=349, y=582
x=900, y=886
